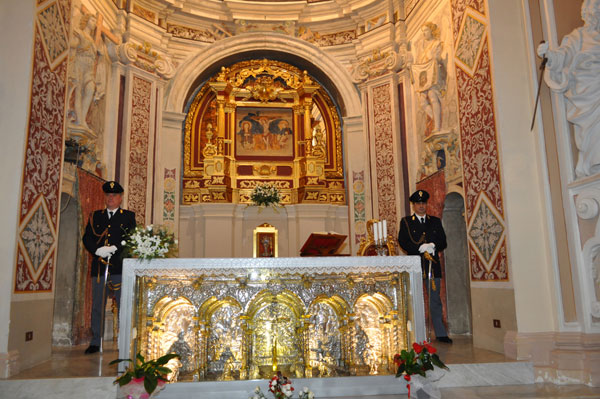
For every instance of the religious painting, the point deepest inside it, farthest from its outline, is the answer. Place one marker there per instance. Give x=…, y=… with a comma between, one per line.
x=264, y=133
x=265, y=242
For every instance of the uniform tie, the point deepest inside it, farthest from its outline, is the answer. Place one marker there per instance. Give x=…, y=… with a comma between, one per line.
x=110, y=213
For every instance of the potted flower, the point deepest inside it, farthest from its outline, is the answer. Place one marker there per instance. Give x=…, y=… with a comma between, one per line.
x=141, y=380
x=415, y=364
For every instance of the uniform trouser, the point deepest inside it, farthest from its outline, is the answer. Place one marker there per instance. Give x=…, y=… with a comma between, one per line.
x=112, y=287
x=435, y=308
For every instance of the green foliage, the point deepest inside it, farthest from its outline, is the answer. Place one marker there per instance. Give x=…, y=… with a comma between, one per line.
x=265, y=194
x=152, y=370
x=419, y=360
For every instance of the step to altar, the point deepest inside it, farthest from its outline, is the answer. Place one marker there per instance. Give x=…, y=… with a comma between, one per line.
x=460, y=375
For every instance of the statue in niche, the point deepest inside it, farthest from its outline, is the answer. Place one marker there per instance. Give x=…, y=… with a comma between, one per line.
x=227, y=358
x=428, y=74
x=573, y=69
x=183, y=349
x=362, y=340
x=87, y=73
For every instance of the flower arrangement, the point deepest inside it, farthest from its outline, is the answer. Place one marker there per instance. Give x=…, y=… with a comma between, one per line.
x=420, y=359
x=280, y=386
x=265, y=194
x=149, y=242
x=152, y=374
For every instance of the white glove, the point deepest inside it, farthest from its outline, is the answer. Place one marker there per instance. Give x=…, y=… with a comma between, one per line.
x=104, y=252
x=427, y=247
x=112, y=250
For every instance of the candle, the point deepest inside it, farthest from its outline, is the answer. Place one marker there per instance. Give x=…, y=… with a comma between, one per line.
x=384, y=230
x=375, y=232
x=381, y=237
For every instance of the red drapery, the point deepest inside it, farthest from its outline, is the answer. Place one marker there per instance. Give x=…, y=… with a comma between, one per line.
x=91, y=197
x=435, y=185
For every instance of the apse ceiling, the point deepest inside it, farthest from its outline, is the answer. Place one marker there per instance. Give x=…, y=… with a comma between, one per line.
x=334, y=14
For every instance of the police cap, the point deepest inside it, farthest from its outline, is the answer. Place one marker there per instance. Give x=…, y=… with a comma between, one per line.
x=112, y=187
x=419, y=196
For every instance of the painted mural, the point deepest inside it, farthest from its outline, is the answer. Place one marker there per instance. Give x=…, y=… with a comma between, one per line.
x=39, y=201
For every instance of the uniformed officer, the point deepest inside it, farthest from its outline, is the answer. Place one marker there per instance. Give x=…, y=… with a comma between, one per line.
x=423, y=234
x=105, y=230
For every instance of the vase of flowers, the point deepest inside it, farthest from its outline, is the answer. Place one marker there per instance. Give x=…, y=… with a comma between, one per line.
x=417, y=367
x=279, y=386
x=144, y=379
x=265, y=194
x=150, y=242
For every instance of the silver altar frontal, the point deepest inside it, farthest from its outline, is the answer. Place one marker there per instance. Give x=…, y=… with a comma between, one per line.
x=247, y=318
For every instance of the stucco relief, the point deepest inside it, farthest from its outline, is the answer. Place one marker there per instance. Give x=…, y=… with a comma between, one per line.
x=201, y=35
x=145, y=57
x=88, y=73
x=588, y=208
x=573, y=70
x=377, y=64
x=434, y=84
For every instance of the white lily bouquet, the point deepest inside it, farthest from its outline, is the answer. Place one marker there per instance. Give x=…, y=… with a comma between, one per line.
x=150, y=242
x=265, y=194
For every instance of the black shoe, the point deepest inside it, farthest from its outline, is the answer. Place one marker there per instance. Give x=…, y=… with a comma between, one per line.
x=92, y=349
x=446, y=340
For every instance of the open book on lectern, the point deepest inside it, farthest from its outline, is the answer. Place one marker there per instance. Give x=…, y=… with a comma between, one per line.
x=322, y=244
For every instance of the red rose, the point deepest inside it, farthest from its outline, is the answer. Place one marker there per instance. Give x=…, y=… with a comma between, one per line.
x=418, y=348
x=430, y=348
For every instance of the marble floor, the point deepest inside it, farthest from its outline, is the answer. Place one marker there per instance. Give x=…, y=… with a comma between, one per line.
x=72, y=362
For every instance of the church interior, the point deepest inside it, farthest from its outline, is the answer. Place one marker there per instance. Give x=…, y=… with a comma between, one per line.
x=346, y=107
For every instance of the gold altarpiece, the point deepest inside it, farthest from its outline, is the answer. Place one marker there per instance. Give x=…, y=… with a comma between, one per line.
x=307, y=317
x=262, y=121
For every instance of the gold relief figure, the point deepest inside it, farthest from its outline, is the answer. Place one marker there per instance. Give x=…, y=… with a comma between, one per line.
x=228, y=360
x=274, y=338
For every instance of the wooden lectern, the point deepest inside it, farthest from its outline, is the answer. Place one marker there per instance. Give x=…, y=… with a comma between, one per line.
x=322, y=244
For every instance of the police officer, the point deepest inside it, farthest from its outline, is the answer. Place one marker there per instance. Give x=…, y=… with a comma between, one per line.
x=105, y=230
x=423, y=234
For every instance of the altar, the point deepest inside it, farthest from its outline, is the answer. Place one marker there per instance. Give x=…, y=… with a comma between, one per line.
x=247, y=318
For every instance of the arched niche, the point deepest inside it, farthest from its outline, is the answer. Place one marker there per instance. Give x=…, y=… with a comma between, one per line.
x=262, y=121
x=295, y=51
